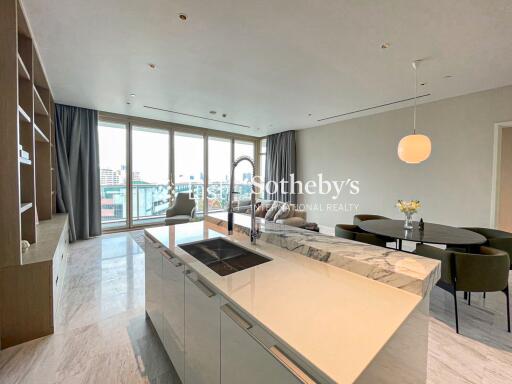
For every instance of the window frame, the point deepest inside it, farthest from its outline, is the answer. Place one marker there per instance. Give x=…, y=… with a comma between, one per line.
x=172, y=128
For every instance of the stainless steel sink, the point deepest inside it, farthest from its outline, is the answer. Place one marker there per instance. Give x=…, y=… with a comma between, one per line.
x=222, y=256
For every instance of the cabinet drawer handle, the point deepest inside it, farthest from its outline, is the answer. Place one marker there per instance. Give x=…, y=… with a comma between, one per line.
x=154, y=244
x=233, y=315
x=177, y=264
x=167, y=255
x=200, y=285
x=298, y=372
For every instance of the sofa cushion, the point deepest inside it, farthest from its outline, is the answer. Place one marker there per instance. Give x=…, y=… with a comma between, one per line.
x=269, y=216
x=261, y=210
x=284, y=212
x=294, y=221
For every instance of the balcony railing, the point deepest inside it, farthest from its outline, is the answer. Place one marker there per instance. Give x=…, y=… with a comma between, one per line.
x=150, y=201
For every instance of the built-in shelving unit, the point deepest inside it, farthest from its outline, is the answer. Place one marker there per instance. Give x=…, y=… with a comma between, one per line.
x=25, y=206
x=22, y=69
x=25, y=161
x=40, y=136
x=28, y=184
x=23, y=115
x=39, y=106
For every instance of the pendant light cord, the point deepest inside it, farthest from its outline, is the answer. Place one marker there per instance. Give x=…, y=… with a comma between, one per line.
x=414, y=65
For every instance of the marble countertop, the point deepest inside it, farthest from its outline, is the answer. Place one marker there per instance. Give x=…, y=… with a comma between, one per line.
x=412, y=273
x=335, y=319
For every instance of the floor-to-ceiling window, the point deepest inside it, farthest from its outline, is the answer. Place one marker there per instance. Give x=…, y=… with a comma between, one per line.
x=143, y=163
x=219, y=169
x=150, y=174
x=113, y=181
x=189, y=166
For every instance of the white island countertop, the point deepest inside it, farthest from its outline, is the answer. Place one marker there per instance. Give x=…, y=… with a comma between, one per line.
x=412, y=273
x=337, y=320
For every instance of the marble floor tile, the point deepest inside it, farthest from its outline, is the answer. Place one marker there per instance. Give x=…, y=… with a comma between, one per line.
x=102, y=336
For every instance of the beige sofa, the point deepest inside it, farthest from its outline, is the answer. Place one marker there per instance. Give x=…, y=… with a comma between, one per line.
x=297, y=220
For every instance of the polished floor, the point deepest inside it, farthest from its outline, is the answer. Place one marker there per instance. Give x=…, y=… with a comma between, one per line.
x=101, y=335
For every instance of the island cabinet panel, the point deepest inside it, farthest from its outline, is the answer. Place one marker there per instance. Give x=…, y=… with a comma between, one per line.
x=202, y=332
x=153, y=275
x=174, y=311
x=247, y=359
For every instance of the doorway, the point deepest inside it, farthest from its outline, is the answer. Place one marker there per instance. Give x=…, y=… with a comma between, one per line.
x=501, y=213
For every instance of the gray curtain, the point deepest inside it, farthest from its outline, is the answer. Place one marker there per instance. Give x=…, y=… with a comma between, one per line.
x=78, y=178
x=281, y=164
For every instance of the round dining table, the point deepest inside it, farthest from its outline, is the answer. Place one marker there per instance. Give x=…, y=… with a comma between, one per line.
x=432, y=233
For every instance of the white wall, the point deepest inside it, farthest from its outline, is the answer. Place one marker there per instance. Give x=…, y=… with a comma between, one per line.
x=454, y=184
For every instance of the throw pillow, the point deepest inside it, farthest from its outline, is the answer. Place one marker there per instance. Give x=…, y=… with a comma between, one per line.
x=269, y=216
x=285, y=212
x=261, y=211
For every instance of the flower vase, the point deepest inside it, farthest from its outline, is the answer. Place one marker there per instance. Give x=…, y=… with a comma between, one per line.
x=408, y=220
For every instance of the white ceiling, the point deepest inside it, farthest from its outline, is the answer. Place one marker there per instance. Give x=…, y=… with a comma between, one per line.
x=268, y=64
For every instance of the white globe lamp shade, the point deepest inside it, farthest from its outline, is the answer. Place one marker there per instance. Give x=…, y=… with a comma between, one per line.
x=413, y=149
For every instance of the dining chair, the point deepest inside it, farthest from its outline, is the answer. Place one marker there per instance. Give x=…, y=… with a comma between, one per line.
x=364, y=217
x=358, y=219
x=495, y=238
x=353, y=232
x=485, y=271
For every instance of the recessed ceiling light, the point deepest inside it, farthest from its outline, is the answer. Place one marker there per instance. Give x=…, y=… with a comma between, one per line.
x=132, y=94
x=152, y=66
x=213, y=112
x=447, y=76
x=182, y=16
x=385, y=45
x=128, y=103
x=224, y=115
x=309, y=114
x=424, y=83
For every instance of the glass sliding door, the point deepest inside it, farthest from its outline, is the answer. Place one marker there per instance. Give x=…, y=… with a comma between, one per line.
x=113, y=182
x=189, y=166
x=150, y=174
x=219, y=168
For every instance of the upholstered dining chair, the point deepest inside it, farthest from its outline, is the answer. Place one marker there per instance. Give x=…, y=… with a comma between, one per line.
x=364, y=217
x=353, y=232
x=182, y=211
x=495, y=238
x=485, y=271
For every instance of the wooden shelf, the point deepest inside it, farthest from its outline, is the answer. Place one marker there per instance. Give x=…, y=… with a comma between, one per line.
x=23, y=114
x=25, y=161
x=25, y=207
x=22, y=69
x=39, y=106
x=39, y=135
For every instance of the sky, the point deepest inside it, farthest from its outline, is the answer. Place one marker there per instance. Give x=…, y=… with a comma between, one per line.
x=151, y=154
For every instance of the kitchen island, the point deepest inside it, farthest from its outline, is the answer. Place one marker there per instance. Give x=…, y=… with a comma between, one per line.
x=294, y=319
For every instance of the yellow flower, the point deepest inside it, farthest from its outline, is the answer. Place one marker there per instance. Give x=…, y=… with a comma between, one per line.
x=408, y=206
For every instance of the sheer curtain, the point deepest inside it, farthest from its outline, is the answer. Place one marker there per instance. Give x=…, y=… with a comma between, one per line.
x=78, y=178
x=280, y=165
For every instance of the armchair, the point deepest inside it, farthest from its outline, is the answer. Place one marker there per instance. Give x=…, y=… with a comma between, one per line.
x=182, y=211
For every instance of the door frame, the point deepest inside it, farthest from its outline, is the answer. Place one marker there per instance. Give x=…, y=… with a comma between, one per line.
x=496, y=171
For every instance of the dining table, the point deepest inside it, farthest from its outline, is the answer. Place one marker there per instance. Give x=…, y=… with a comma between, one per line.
x=431, y=233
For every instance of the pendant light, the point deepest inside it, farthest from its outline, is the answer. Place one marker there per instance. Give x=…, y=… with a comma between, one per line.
x=415, y=148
